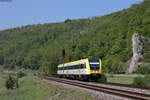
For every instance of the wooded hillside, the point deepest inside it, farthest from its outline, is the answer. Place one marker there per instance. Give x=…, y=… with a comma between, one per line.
x=108, y=37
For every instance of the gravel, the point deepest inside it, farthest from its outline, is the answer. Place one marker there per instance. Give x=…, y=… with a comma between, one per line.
x=97, y=94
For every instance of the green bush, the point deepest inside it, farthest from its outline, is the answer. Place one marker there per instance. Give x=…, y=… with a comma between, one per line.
x=103, y=78
x=10, y=83
x=138, y=81
x=147, y=80
x=143, y=70
x=20, y=74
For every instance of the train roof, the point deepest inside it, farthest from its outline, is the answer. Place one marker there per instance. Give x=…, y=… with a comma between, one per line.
x=77, y=62
x=81, y=61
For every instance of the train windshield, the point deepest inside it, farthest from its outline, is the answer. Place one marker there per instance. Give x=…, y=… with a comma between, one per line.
x=94, y=66
x=94, y=63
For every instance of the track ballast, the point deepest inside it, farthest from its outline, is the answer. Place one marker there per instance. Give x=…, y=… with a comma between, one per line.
x=108, y=90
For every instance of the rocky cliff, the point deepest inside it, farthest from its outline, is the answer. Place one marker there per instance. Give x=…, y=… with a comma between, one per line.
x=138, y=43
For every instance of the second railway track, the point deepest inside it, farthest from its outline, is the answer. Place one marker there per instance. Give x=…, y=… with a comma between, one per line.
x=108, y=90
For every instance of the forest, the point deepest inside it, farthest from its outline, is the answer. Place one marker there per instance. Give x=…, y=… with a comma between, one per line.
x=107, y=37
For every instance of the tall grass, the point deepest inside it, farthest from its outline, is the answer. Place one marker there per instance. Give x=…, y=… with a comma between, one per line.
x=33, y=89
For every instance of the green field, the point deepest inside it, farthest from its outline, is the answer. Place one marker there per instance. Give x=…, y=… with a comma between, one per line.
x=2, y=83
x=123, y=79
x=33, y=89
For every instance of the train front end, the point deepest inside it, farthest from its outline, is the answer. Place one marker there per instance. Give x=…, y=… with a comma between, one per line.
x=94, y=68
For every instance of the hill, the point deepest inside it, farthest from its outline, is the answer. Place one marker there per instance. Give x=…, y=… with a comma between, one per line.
x=107, y=37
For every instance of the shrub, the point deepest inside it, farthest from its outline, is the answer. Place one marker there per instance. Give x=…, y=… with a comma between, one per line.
x=138, y=81
x=143, y=70
x=10, y=83
x=20, y=74
x=16, y=83
x=147, y=80
x=111, y=75
x=103, y=78
x=67, y=20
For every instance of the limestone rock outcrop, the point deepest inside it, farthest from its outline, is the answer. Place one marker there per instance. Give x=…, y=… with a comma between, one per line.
x=137, y=44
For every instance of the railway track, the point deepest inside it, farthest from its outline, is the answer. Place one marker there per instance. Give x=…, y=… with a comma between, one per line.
x=108, y=90
x=125, y=85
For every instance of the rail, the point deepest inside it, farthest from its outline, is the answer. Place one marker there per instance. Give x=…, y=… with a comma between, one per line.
x=113, y=91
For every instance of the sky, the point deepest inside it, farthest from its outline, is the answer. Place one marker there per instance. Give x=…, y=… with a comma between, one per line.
x=24, y=12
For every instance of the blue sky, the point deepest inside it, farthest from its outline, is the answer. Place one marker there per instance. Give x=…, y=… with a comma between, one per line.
x=24, y=12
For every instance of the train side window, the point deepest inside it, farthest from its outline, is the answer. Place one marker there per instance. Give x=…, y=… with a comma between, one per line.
x=70, y=67
x=84, y=65
x=80, y=66
x=74, y=66
x=77, y=67
x=59, y=68
x=65, y=68
x=62, y=68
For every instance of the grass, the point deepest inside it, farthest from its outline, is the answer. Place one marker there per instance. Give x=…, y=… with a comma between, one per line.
x=2, y=83
x=33, y=89
x=123, y=79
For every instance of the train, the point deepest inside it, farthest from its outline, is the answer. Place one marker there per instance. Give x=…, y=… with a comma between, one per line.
x=83, y=69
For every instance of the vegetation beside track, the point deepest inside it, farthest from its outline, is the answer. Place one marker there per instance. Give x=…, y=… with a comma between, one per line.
x=137, y=79
x=122, y=79
x=33, y=89
x=2, y=82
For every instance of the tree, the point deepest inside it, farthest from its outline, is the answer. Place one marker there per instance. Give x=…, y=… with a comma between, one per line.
x=10, y=83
